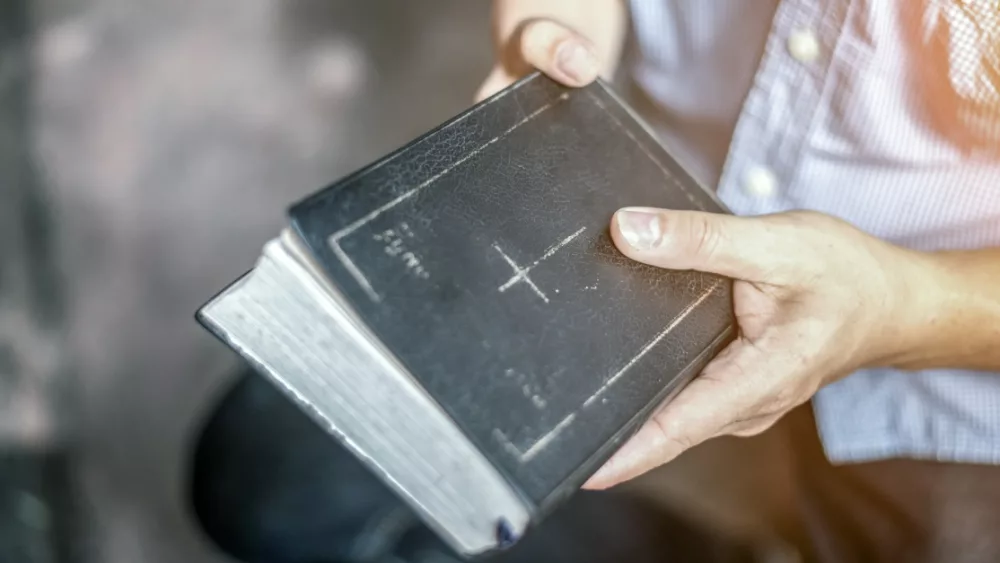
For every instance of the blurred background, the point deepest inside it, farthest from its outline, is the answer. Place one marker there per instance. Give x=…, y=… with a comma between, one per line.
x=147, y=151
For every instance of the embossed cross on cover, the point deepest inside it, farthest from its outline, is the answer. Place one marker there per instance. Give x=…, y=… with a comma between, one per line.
x=457, y=315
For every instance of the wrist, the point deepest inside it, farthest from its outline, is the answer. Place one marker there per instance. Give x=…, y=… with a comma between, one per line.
x=948, y=312
x=916, y=300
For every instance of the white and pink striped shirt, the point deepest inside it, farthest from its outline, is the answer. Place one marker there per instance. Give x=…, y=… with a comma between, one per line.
x=885, y=113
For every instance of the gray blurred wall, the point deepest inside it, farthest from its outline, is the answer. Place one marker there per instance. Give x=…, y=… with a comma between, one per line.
x=169, y=137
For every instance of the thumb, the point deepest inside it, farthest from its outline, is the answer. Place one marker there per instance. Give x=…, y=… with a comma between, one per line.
x=745, y=248
x=548, y=46
x=557, y=51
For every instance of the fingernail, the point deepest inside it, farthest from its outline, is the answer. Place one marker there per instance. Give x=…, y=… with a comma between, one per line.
x=599, y=480
x=640, y=228
x=576, y=61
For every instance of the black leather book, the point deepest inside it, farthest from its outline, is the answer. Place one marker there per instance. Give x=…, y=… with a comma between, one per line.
x=457, y=315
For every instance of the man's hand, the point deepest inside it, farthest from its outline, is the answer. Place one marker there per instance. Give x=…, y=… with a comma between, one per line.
x=815, y=299
x=572, y=41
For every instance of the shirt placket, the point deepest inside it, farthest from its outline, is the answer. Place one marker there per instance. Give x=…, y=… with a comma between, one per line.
x=778, y=113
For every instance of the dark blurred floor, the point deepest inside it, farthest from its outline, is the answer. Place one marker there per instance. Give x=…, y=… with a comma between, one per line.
x=169, y=138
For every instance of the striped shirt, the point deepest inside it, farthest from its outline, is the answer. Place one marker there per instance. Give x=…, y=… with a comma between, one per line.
x=885, y=113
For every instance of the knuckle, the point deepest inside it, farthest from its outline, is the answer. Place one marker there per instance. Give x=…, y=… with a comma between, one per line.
x=786, y=397
x=705, y=236
x=540, y=39
x=782, y=399
x=718, y=374
x=755, y=427
x=680, y=444
x=528, y=41
x=674, y=435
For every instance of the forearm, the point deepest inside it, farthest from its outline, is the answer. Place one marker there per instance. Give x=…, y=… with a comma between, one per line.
x=955, y=320
x=603, y=22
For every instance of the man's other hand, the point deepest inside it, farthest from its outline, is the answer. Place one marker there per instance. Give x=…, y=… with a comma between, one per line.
x=571, y=41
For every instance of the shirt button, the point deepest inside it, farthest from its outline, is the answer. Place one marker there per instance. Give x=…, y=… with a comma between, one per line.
x=803, y=45
x=760, y=182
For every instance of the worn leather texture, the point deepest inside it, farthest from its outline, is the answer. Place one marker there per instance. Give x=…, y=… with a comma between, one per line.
x=480, y=255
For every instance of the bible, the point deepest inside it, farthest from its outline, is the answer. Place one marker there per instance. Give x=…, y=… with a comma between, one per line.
x=457, y=315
